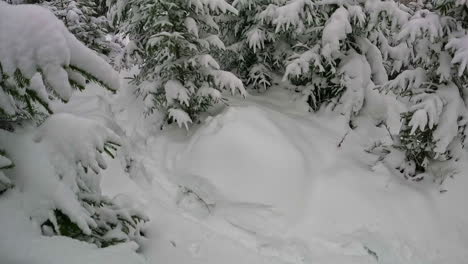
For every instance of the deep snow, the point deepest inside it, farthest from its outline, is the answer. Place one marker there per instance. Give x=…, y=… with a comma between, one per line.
x=264, y=181
x=260, y=181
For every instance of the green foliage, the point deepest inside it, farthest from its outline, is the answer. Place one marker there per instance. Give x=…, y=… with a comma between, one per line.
x=127, y=227
x=27, y=96
x=432, y=83
x=86, y=20
x=23, y=103
x=452, y=9
x=255, y=51
x=174, y=43
x=418, y=146
x=332, y=36
x=89, y=77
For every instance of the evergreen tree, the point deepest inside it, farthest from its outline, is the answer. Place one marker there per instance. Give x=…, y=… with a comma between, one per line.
x=174, y=41
x=39, y=63
x=86, y=20
x=338, y=59
x=431, y=77
x=254, y=50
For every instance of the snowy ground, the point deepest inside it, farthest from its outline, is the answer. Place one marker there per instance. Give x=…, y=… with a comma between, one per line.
x=265, y=182
x=262, y=181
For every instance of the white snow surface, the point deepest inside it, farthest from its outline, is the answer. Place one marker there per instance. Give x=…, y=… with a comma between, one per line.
x=261, y=180
x=264, y=181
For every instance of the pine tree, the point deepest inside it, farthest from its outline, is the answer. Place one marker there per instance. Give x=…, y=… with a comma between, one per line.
x=431, y=77
x=79, y=159
x=254, y=50
x=87, y=21
x=48, y=64
x=174, y=42
x=339, y=56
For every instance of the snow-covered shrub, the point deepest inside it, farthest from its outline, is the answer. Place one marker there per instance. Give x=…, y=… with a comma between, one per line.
x=5, y=163
x=56, y=165
x=83, y=18
x=41, y=62
x=256, y=49
x=76, y=147
x=338, y=57
x=88, y=21
x=429, y=64
x=174, y=41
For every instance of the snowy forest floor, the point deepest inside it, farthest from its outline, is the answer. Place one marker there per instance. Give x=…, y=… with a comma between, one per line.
x=264, y=181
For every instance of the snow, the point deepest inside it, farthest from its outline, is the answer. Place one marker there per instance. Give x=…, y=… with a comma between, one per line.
x=263, y=181
x=230, y=172
x=407, y=80
x=213, y=40
x=375, y=60
x=175, y=90
x=421, y=23
x=336, y=29
x=254, y=180
x=44, y=191
x=71, y=138
x=49, y=36
x=43, y=43
x=256, y=39
x=355, y=74
x=208, y=91
x=213, y=5
x=22, y=242
x=460, y=45
x=454, y=111
x=290, y=14
x=444, y=69
x=208, y=61
x=4, y=162
x=191, y=26
x=398, y=15
x=227, y=80
x=300, y=64
x=426, y=112
x=180, y=116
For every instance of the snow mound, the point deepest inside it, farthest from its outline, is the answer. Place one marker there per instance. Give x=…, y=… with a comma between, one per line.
x=248, y=159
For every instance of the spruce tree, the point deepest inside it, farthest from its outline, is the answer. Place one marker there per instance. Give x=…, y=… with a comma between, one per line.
x=49, y=64
x=86, y=19
x=255, y=51
x=431, y=78
x=174, y=42
x=338, y=57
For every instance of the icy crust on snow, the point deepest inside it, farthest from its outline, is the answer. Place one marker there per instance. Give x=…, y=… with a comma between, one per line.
x=37, y=40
